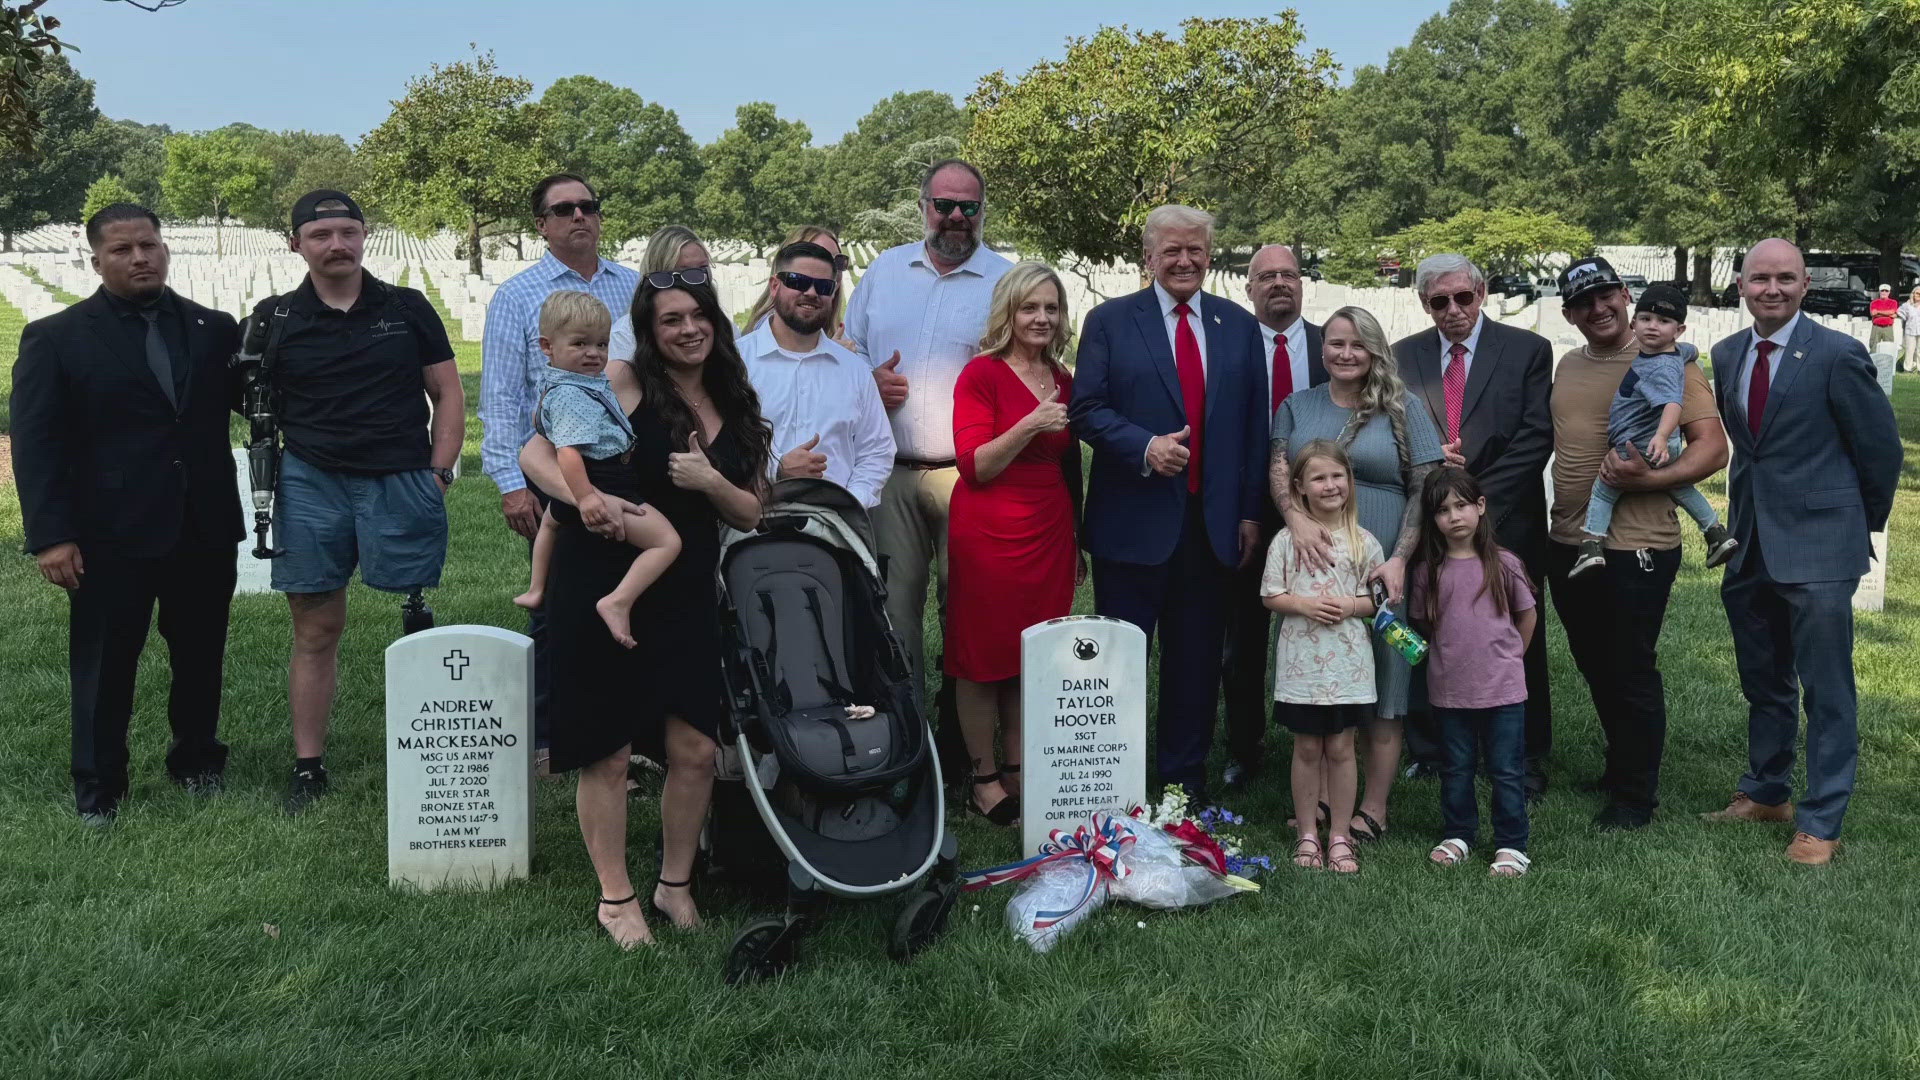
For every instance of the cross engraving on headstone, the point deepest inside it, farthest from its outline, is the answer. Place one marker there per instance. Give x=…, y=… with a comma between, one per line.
x=456, y=662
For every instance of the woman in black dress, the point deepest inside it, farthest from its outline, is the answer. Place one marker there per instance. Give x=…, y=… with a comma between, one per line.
x=700, y=451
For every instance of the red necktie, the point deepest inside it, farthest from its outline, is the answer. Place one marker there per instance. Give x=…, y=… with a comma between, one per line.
x=1758, y=384
x=1193, y=389
x=1454, y=385
x=1282, y=371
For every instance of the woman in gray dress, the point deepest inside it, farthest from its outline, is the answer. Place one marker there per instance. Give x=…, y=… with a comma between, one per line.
x=1366, y=408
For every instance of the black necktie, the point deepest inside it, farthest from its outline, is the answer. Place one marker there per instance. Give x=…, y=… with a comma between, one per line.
x=157, y=356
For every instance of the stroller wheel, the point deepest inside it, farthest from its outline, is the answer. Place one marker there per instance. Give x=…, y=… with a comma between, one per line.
x=922, y=920
x=764, y=949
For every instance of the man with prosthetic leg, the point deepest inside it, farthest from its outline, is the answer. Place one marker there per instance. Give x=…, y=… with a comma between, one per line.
x=354, y=364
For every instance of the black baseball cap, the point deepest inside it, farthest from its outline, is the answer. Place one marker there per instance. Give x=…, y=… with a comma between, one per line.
x=1586, y=276
x=1663, y=300
x=308, y=208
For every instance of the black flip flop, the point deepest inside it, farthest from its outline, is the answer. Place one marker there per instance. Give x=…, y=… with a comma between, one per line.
x=1375, y=829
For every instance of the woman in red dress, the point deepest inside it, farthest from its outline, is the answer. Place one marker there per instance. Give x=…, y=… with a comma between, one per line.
x=1012, y=560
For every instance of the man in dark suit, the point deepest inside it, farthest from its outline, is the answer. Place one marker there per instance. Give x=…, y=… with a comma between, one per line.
x=127, y=492
x=1170, y=391
x=1291, y=347
x=1486, y=386
x=1816, y=460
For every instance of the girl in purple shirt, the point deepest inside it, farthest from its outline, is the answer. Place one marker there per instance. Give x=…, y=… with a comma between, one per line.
x=1471, y=597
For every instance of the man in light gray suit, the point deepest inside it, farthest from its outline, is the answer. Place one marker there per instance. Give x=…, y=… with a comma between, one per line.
x=1816, y=457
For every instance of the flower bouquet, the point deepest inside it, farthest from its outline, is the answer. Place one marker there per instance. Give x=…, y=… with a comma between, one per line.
x=1158, y=857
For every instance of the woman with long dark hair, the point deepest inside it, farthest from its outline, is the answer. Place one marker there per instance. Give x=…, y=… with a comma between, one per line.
x=700, y=450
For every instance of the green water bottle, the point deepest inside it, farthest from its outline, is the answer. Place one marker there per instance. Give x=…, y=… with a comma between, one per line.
x=1394, y=630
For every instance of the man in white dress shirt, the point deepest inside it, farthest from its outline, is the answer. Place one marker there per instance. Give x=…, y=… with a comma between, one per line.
x=917, y=316
x=819, y=396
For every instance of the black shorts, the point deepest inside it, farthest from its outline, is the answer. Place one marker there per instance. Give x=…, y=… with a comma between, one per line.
x=1320, y=719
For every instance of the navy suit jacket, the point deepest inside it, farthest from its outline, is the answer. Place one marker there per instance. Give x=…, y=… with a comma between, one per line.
x=1506, y=425
x=1821, y=475
x=1126, y=391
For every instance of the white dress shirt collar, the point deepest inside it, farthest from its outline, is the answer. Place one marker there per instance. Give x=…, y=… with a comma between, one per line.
x=1296, y=335
x=921, y=258
x=1167, y=304
x=1472, y=344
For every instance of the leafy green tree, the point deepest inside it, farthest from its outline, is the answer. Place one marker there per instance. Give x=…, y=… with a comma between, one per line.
x=103, y=193
x=460, y=151
x=49, y=183
x=1077, y=151
x=762, y=178
x=26, y=45
x=138, y=155
x=304, y=161
x=899, y=220
x=634, y=153
x=879, y=162
x=1500, y=241
x=218, y=174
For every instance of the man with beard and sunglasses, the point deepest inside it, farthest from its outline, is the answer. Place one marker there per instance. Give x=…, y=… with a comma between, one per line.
x=1485, y=384
x=917, y=317
x=363, y=480
x=818, y=395
x=1612, y=616
x=566, y=213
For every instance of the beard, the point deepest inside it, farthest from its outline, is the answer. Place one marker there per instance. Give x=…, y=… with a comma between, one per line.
x=804, y=324
x=954, y=245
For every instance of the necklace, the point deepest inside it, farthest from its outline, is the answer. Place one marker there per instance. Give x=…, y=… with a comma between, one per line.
x=1043, y=376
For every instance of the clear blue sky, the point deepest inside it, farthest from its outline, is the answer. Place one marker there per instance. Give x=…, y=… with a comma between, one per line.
x=335, y=65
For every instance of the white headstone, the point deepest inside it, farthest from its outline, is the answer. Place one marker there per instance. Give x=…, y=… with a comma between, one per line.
x=1871, y=595
x=255, y=575
x=459, y=757
x=1083, y=693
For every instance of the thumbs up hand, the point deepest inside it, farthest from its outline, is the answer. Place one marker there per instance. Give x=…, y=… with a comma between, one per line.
x=1047, y=417
x=691, y=471
x=804, y=460
x=892, y=384
x=1167, y=455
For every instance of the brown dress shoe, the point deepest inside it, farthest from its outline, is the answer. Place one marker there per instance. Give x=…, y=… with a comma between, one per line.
x=1809, y=850
x=1743, y=808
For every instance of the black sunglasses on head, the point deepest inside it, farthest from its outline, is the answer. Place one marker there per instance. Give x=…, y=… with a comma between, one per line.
x=589, y=207
x=664, y=279
x=1462, y=299
x=801, y=283
x=968, y=207
x=840, y=264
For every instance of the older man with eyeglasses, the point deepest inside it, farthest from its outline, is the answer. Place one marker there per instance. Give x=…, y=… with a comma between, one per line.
x=917, y=315
x=567, y=214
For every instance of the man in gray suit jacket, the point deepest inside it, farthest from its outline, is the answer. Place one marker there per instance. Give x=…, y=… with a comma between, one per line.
x=1816, y=459
x=1496, y=426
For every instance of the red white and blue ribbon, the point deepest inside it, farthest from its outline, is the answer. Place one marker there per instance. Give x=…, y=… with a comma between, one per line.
x=1100, y=845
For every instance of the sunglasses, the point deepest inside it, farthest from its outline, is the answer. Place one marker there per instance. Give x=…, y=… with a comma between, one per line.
x=664, y=279
x=1461, y=299
x=589, y=207
x=840, y=264
x=967, y=207
x=801, y=283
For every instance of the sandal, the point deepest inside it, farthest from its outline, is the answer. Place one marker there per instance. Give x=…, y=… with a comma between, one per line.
x=1321, y=820
x=1342, y=864
x=1373, y=831
x=1010, y=772
x=1003, y=813
x=1449, y=852
x=1306, y=853
x=605, y=929
x=660, y=912
x=1510, y=862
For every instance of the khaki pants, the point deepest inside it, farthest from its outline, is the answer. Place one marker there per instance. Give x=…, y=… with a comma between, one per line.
x=910, y=527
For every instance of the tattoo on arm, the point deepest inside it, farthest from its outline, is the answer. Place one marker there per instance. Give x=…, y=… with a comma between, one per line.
x=1410, y=521
x=1278, y=485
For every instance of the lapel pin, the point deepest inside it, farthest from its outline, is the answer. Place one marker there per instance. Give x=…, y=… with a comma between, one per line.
x=1797, y=354
x=200, y=322
x=1216, y=320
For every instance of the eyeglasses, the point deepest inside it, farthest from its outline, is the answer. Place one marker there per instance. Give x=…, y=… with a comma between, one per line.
x=664, y=279
x=589, y=207
x=968, y=207
x=801, y=283
x=1460, y=299
x=1281, y=275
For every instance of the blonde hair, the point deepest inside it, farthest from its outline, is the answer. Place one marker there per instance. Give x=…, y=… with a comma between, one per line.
x=1009, y=293
x=1173, y=216
x=1382, y=391
x=763, y=306
x=664, y=246
x=1350, y=513
x=567, y=309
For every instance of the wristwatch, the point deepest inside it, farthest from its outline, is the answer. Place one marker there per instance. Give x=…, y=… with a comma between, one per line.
x=446, y=476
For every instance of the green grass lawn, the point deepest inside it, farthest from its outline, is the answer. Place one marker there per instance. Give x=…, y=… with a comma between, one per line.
x=220, y=938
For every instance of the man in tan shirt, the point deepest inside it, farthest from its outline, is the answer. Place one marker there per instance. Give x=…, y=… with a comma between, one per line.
x=1612, y=618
